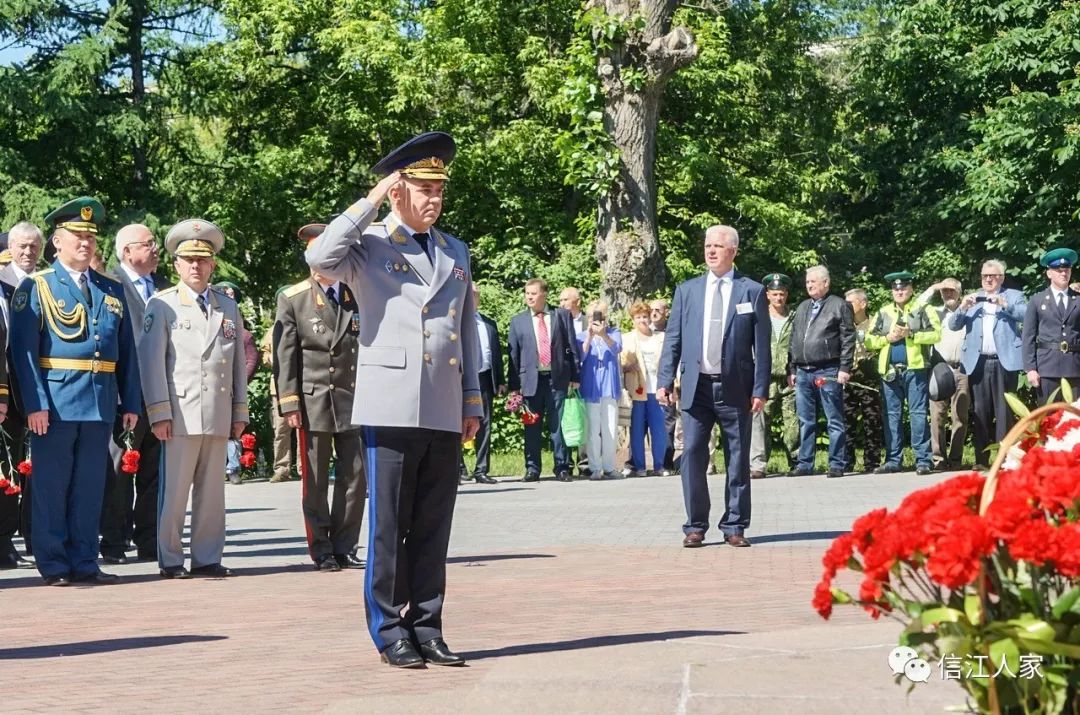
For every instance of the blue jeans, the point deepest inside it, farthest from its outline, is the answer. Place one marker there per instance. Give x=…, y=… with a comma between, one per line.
x=232, y=456
x=914, y=386
x=831, y=397
x=647, y=414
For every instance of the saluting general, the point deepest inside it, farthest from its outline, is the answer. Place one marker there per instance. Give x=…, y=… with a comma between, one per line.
x=1051, y=333
x=191, y=350
x=315, y=370
x=73, y=351
x=417, y=389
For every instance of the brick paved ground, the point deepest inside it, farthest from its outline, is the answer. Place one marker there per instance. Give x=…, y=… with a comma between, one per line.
x=567, y=598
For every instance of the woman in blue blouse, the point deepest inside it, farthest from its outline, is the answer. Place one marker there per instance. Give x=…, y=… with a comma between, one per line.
x=600, y=389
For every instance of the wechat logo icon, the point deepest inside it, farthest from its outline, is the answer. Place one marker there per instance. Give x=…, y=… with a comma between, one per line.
x=906, y=661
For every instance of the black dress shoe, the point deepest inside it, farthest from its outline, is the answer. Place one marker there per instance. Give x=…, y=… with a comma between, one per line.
x=327, y=563
x=800, y=472
x=212, y=570
x=57, y=581
x=484, y=479
x=436, y=652
x=564, y=476
x=923, y=470
x=349, y=561
x=532, y=476
x=835, y=473
x=887, y=469
x=96, y=577
x=115, y=560
x=402, y=654
x=174, y=572
x=146, y=556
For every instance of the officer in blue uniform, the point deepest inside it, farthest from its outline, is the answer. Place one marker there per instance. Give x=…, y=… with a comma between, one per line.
x=73, y=351
x=1051, y=334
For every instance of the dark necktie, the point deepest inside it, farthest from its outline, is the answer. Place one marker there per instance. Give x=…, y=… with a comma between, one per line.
x=85, y=288
x=1061, y=303
x=330, y=297
x=201, y=300
x=422, y=239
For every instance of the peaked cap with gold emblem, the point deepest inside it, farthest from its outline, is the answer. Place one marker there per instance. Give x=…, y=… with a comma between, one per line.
x=81, y=214
x=423, y=157
x=193, y=238
x=310, y=232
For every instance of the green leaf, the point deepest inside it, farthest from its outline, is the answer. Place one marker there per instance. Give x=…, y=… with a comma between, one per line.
x=973, y=608
x=1005, y=650
x=934, y=616
x=1017, y=405
x=1068, y=601
x=1043, y=647
x=1066, y=391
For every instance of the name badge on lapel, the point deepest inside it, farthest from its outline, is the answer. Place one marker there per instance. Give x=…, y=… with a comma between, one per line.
x=744, y=308
x=114, y=306
x=228, y=328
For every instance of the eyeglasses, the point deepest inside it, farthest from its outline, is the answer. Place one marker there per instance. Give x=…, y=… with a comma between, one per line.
x=151, y=244
x=986, y=276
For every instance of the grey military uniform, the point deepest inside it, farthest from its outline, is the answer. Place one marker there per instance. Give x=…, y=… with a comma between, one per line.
x=315, y=373
x=416, y=378
x=193, y=373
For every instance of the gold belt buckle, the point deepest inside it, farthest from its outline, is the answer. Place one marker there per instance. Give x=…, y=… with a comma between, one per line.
x=1064, y=346
x=95, y=366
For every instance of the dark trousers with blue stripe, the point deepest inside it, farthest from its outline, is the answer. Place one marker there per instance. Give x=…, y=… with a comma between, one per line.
x=710, y=408
x=69, y=485
x=412, y=486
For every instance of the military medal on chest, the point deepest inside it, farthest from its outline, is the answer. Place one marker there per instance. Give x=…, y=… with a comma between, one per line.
x=228, y=328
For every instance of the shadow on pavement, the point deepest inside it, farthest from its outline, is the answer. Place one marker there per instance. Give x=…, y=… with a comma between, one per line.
x=269, y=570
x=797, y=536
x=493, y=491
x=103, y=646
x=496, y=557
x=594, y=642
x=241, y=510
x=237, y=543
x=236, y=550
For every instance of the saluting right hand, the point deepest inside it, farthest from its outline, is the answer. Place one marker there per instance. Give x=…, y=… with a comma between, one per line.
x=38, y=422
x=381, y=189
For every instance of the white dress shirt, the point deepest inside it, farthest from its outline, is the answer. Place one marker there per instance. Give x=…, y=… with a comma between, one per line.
x=143, y=284
x=711, y=282
x=989, y=319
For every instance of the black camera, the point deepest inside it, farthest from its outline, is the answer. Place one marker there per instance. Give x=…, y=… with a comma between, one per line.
x=982, y=299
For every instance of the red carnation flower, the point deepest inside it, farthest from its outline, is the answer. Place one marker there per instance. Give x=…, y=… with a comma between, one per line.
x=247, y=440
x=957, y=555
x=838, y=554
x=819, y=381
x=822, y=601
x=1067, y=545
x=529, y=418
x=129, y=462
x=247, y=460
x=25, y=467
x=12, y=490
x=640, y=390
x=4, y=483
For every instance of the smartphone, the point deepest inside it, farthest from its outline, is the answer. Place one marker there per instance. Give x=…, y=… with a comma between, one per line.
x=597, y=316
x=981, y=299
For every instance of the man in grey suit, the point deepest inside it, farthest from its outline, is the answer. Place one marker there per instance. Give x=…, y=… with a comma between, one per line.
x=718, y=337
x=129, y=512
x=191, y=352
x=315, y=370
x=417, y=388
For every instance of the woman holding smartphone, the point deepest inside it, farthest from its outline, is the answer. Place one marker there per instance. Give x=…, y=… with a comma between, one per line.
x=600, y=389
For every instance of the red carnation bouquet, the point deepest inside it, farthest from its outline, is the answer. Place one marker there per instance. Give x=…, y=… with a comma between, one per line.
x=983, y=570
x=516, y=403
x=12, y=480
x=248, y=458
x=129, y=460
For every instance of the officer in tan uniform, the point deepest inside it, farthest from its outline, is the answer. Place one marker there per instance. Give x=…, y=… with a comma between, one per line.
x=315, y=370
x=191, y=353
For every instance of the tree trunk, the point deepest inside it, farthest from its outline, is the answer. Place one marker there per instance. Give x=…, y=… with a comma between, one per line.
x=633, y=75
x=139, y=177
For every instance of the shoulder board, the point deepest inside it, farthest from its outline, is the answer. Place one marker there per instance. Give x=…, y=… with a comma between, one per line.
x=377, y=223
x=296, y=289
x=42, y=272
x=166, y=291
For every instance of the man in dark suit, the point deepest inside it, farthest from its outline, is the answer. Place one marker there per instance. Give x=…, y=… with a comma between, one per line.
x=1051, y=334
x=718, y=336
x=315, y=341
x=543, y=366
x=492, y=382
x=129, y=511
x=23, y=244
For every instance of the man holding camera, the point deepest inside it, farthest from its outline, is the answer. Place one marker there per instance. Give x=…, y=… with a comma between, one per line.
x=901, y=334
x=992, y=354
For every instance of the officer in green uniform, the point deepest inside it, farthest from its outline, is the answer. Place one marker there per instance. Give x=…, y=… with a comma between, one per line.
x=902, y=334
x=777, y=288
x=862, y=401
